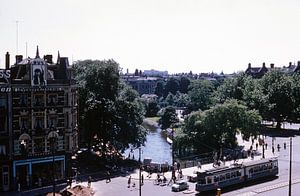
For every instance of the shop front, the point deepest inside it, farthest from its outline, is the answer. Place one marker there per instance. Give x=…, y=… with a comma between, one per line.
x=38, y=172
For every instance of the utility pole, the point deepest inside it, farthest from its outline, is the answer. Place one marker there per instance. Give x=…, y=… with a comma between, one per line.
x=140, y=174
x=290, y=176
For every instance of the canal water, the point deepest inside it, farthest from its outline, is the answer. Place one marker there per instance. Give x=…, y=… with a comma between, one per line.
x=156, y=148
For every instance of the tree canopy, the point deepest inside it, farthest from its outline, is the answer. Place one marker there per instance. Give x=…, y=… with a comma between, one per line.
x=218, y=126
x=109, y=110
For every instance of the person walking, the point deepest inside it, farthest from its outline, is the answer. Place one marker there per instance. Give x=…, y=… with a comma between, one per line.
x=273, y=150
x=142, y=179
x=278, y=147
x=284, y=145
x=108, y=177
x=89, y=181
x=129, y=181
x=199, y=165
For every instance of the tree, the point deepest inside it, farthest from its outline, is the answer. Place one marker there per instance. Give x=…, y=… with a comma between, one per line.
x=159, y=89
x=277, y=87
x=217, y=127
x=232, y=88
x=168, y=117
x=296, y=97
x=172, y=86
x=200, y=93
x=103, y=100
x=184, y=84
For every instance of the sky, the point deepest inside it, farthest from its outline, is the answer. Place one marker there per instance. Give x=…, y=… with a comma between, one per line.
x=172, y=35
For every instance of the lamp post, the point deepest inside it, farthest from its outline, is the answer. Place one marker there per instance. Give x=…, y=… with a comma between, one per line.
x=140, y=174
x=52, y=137
x=290, y=174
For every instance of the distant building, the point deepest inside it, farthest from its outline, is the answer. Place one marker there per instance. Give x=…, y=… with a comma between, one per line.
x=38, y=98
x=259, y=72
x=143, y=85
x=155, y=73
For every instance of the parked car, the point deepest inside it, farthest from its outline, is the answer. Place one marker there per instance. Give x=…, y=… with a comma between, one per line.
x=180, y=185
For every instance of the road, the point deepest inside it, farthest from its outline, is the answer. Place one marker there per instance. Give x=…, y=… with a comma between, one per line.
x=274, y=187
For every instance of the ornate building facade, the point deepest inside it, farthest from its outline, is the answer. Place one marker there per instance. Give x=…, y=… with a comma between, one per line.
x=38, y=101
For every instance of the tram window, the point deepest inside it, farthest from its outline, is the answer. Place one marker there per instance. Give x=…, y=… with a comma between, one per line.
x=216, y=178
x=251, y=170
x=201, y=181
x=222, y=177
x=233, y=174
x=265, y=167
x=238, y=173
x=269, y=166
x=260, y=168
x=208, y=180
x=228, y=176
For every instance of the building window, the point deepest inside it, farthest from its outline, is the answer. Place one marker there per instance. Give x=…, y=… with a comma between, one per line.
x=38, y=100
x=39, y=121
x=39, y=145
x=52, y=121
x=52, y=100
x=24, y=146
x=24, y=123
x=5, y=175
x=3, y=114
x=2, y=150
x=23, y=100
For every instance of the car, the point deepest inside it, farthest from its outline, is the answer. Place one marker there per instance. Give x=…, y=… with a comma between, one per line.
x=180, y=185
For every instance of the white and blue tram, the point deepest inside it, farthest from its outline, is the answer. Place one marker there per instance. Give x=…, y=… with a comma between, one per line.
x=224, y=176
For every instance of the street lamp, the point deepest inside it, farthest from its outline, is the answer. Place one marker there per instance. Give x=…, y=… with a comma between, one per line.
x=52, y=137
x=290, y=173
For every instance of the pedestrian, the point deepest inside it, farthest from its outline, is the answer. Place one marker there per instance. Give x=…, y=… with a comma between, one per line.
x=142, y=180
x=278, y=147
x=129, y=181
x=70, y=182
x=178, y=166
x=199, y=165
x=108, y=177
x=252, y=141
x=266, y=145
x=273, y=149
x=256, y=145
x=18, y=185
x=284, y=145
x=89, y=181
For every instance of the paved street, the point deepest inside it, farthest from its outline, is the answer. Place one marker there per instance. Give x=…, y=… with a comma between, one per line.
x=276, y=187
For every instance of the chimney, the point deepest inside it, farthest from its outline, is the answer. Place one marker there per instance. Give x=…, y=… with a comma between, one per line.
x=264, y=64
x=7, y=61
x=19, y=58
x=290, y=64
x=249, y=65
x=48, y=58
x=272, y=65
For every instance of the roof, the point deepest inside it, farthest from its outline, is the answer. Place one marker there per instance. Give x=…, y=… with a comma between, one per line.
x=257, y=162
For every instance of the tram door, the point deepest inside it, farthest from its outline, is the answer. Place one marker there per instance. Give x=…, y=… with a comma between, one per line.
x=5, y=178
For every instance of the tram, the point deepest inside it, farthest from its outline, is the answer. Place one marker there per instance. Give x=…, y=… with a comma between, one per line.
x=224, y=176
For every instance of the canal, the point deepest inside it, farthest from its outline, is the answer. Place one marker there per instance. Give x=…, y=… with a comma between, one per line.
x=156, y=148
